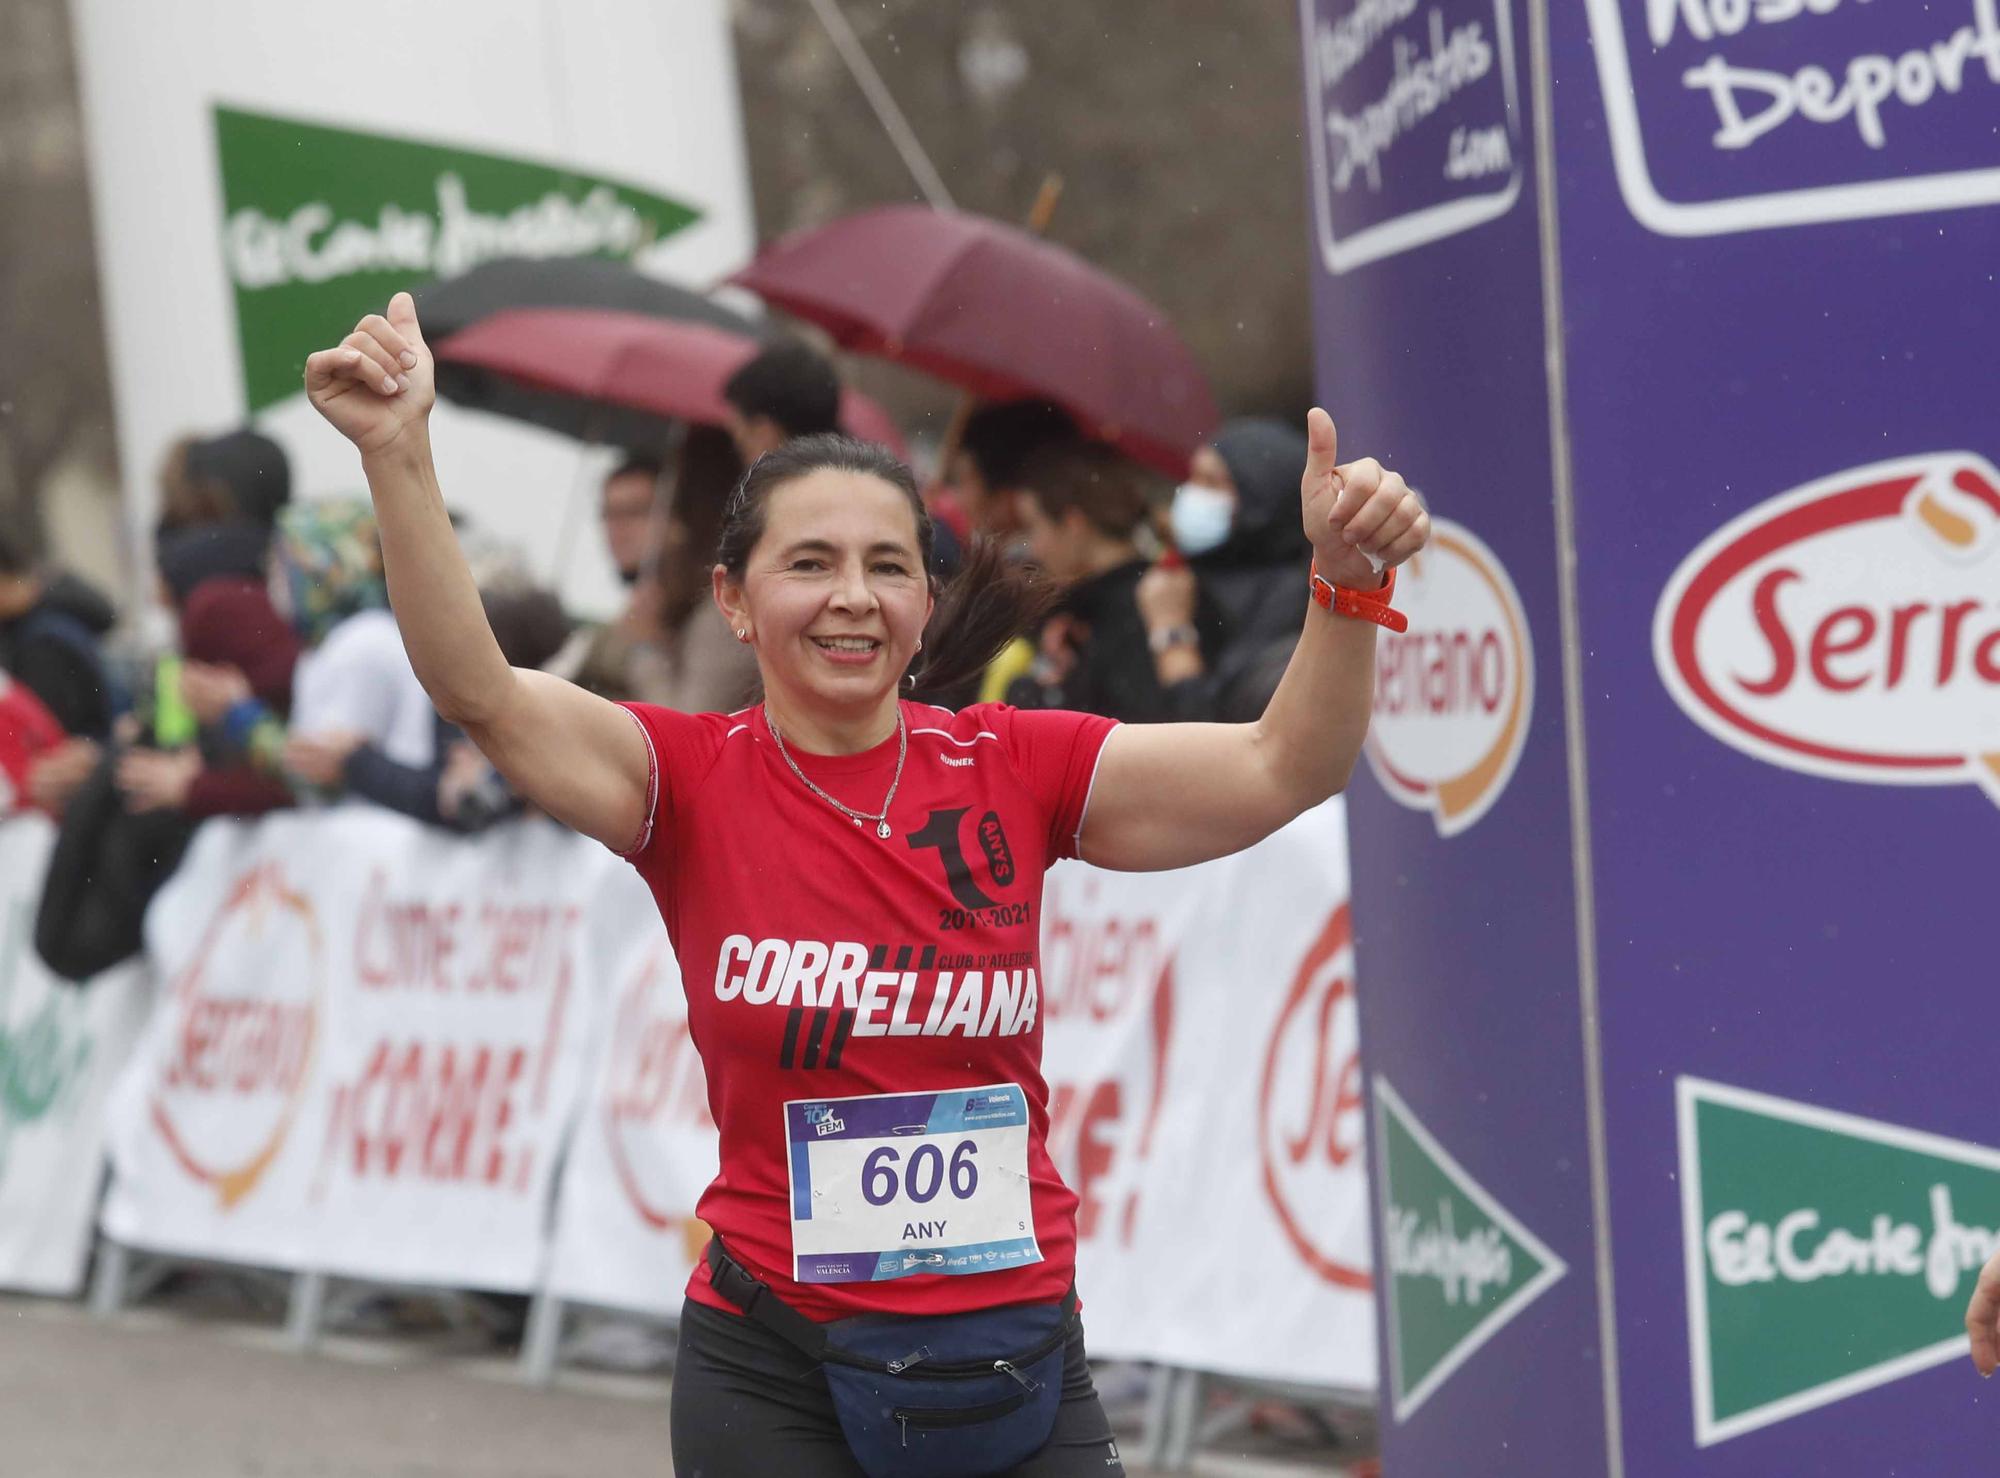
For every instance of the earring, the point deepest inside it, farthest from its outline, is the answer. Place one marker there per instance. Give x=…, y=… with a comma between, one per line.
x=741, y=634
x=920, y=644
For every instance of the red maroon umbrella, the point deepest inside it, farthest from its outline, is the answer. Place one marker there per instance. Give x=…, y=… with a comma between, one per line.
x=609, y=376
x=1001, y=313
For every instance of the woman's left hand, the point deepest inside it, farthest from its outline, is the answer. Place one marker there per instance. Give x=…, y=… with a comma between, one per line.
x=320, y=759
x=157, y=780
x=1355, y=510
x=1166, y=596
x=212, y=689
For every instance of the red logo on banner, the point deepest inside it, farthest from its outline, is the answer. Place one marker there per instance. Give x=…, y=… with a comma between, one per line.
x=1108, y=975
x=1850, y=628
x=655, y=1084
x=1309, y=1108
x=239, y=1064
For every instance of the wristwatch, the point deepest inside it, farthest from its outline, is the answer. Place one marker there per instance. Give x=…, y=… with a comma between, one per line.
x=1166, y=638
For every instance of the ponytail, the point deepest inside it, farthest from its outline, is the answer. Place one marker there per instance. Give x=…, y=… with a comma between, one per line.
x=989, y=602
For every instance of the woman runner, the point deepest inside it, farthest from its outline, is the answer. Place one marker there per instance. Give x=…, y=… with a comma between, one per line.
x=852, y=882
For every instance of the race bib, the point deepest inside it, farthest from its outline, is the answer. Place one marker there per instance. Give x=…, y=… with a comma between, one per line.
x=892, y=1184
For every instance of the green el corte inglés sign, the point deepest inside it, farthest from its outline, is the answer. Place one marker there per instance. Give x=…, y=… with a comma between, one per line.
x=320, y=226
x=1459, y=1266
x=1826, y=1254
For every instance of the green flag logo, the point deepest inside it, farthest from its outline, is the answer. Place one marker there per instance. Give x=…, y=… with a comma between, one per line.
x=1826, y=1254
x=1460, y=1267
x=321, y=225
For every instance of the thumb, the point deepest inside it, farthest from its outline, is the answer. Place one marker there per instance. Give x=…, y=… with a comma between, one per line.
x=1322, y=445
x=402, y=316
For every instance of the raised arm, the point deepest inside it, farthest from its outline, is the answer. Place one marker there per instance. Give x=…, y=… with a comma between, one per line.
x=1171, y=795
x=576, y=756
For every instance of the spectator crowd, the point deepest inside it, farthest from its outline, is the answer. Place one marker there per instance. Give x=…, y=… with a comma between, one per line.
x=286, y=682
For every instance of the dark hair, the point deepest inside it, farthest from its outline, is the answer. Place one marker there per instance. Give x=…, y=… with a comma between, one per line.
x=1098, y=482
x=528, y=622
x=791, y=384
x=637, y=462
x=989, y=602
x=704, y=476
x=999, y=438
x=236, y=476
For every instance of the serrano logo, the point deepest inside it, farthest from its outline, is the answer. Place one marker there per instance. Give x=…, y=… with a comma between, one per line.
x=1453, y=694
x=655, y=1101
x=1850, y=628
x=1309, y=1108
x=245, y=1027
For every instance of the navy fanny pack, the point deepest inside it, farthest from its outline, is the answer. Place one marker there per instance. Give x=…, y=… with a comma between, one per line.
x=944, y=1396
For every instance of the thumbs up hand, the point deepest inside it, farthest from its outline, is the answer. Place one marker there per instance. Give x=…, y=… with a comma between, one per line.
x=377, y=383
x=1356, y=510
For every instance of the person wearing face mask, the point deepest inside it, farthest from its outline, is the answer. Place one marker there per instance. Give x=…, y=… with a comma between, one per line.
x=1222, y=624
x=1082, y=506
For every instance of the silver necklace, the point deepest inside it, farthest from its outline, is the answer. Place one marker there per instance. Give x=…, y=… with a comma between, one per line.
x=880, y=818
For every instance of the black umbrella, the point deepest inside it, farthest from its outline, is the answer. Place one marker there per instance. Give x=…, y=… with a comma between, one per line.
x=506, y=283
x=450, y=304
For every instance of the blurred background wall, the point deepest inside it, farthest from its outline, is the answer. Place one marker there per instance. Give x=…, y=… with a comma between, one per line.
x=1176, y=131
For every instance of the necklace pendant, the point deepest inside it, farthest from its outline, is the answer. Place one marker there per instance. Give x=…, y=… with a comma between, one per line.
x=882, y=831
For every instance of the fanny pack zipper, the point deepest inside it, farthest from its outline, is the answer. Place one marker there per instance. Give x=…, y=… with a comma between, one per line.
x=958, y=1370
x=958, y=1417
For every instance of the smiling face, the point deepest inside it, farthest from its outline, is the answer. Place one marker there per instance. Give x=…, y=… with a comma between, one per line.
x=834, y=595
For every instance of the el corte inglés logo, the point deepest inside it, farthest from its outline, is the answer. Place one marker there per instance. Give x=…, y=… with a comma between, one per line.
x=1454, y=693
x=244, y=1030
x=1457, y=1265
x=1850, y=628
x=1826, y=1254
x=320, y=225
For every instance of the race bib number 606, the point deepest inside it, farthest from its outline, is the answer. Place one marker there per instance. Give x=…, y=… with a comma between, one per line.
x=893, y=1184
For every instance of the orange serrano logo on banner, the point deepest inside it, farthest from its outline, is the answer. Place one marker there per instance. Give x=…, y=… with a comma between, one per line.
x=1309, y=1104
x=655, y=1103
x=241, y=1052
x=1454, y=693
x=1850, y=628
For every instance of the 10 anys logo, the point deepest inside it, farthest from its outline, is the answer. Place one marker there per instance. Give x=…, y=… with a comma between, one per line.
x=1454, y=693
x=1850, y=628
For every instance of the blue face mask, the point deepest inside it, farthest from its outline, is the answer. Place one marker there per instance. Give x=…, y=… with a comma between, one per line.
x=1200, y=517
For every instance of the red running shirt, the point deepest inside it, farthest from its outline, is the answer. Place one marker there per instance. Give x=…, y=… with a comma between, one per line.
x=823, y=962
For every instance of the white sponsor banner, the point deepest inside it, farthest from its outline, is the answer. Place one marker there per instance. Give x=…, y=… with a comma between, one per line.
x=627, y=91
x=372, y=1038
x=61, y=1046
x=369, y=1039
x=644, y=1147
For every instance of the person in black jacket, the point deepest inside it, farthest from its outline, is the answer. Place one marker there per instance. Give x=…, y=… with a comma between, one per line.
x=1082, y=506
x=1243, y=583
x=49, y=630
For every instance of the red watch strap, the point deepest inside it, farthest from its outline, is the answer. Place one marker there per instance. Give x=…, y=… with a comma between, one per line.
x=1362, y=605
